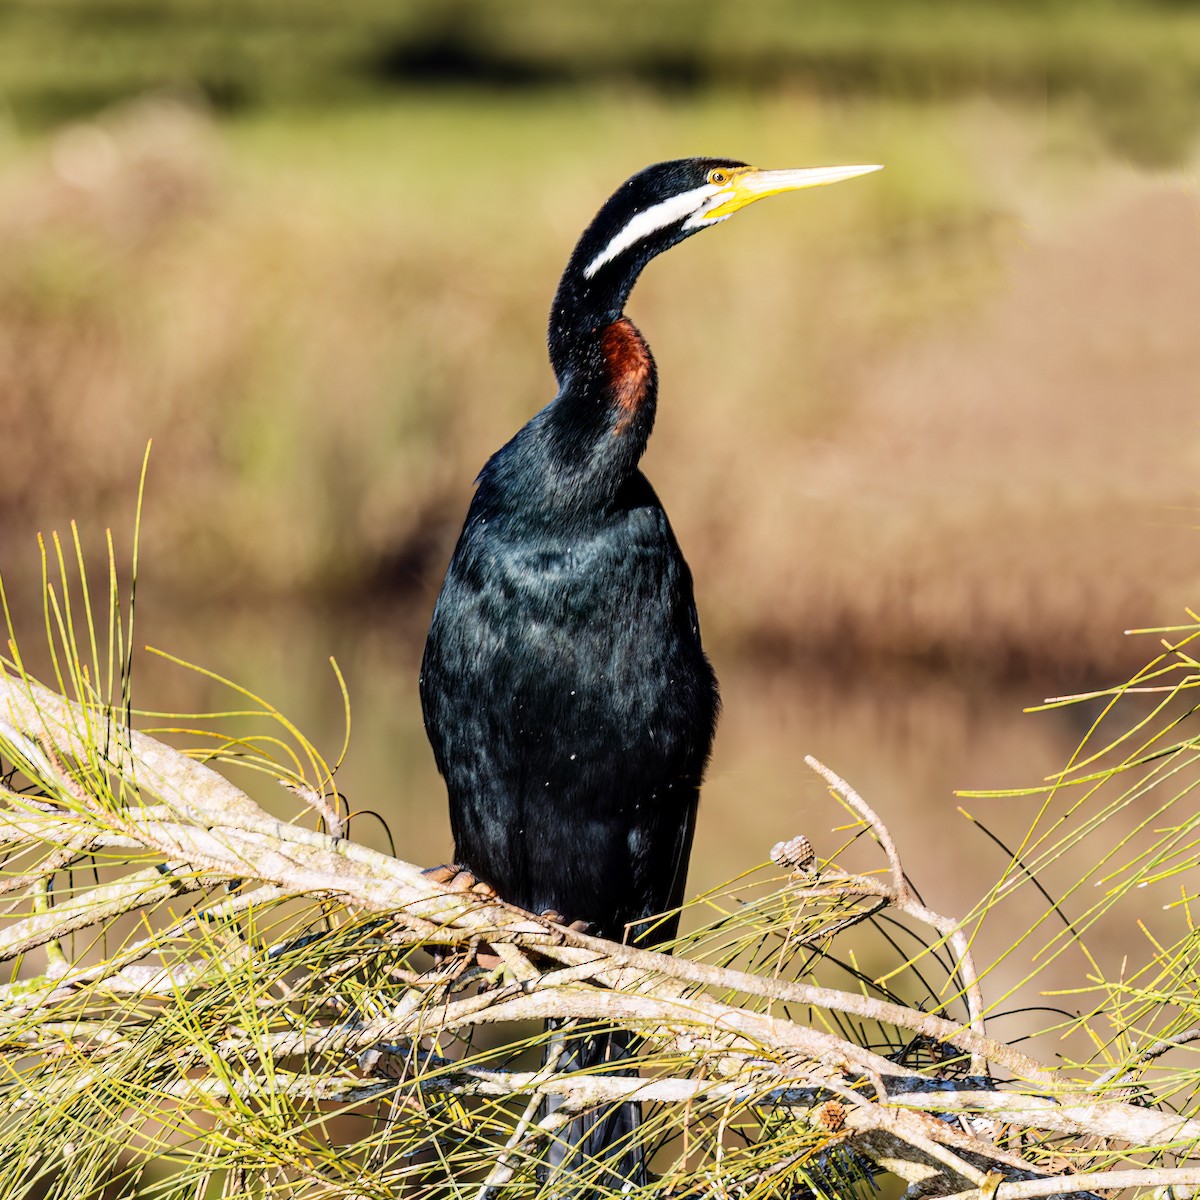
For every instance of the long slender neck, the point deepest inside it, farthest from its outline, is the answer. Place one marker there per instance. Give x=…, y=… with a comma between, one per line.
x=581, y=448
x=583, y=308
x=579, y=452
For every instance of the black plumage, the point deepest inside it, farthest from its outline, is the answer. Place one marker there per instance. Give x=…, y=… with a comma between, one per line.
x=568, y=700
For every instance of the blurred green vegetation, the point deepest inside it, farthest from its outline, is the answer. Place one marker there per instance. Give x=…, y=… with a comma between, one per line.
x=1134, y=64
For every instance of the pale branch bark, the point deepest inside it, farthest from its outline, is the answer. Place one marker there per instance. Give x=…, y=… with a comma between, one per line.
x=749, y=1076
x=190, y=787
x=205, y=831
x=936, y=1141
x=902, y=898
x=334, y=825
x=99, y=905
x=1110, y=1119
x=908, y=1117
x=702, y=1023
x=745, y=1035
x=792, y=992
x=1182, y=1183
x=868, y=815
x=57, y=860
x=1155, y=1050
x=118, y=972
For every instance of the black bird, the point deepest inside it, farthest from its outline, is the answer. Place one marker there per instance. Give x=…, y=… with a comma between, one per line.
x=570, y=705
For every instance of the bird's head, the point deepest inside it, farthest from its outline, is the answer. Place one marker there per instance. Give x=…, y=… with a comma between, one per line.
x=670, y=201
x=646, y=215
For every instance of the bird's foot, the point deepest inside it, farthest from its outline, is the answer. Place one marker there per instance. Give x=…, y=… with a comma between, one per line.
x=460, y=879
x=556, y=918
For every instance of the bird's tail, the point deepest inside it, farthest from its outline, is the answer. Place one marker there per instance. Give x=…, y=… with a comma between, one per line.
x=598, y=1149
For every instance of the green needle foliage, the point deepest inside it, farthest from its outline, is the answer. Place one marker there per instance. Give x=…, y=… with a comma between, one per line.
x=206, y=999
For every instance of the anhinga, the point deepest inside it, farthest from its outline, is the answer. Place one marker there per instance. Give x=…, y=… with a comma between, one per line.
x=570, y=705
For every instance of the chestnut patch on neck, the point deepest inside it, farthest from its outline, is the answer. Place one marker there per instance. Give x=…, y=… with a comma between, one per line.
x=627, y=364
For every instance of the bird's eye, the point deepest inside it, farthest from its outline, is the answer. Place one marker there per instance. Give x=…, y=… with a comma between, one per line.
x=718, y=177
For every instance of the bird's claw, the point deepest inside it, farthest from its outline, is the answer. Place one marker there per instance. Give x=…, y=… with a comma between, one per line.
x=442, y=874
x=556, y=918
x=459, y=879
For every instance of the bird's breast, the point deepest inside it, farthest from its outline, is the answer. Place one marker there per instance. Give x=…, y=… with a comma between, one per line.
x=596, y=605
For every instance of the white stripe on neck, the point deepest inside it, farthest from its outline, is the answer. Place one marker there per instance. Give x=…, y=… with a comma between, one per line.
x=649, y=221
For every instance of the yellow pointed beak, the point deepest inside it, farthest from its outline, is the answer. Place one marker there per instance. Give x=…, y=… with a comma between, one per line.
x=749, y=184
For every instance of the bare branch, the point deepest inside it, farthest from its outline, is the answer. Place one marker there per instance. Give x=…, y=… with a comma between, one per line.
x=99, y=905
x=903, y=899
x=1149, y=1054
x=1183, y=1183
